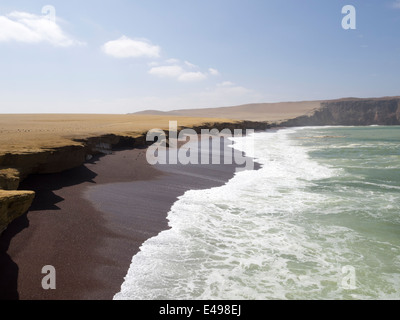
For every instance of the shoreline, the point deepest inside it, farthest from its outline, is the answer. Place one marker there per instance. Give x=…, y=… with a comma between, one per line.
x=81, y=222
x=36, y=150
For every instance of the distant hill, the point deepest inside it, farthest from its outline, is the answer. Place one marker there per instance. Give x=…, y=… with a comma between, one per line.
x=280, y=112
x=273, y=112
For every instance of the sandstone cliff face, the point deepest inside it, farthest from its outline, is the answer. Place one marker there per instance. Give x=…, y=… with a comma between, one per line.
x=13, y=204
x=15, y=167
x=352, y=112
x=44, y=161
x=9, y=178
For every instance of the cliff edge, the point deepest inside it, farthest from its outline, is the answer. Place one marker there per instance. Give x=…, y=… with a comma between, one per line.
x=35, y=153
x=13, y=204
x=351, y=112
x=41, y=144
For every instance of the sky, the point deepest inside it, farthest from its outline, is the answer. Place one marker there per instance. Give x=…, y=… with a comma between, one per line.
x=124, y=56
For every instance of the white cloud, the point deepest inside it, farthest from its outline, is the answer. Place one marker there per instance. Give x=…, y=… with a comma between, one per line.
x=172, y=61
x=213, y=72
x=190, y=65
x=167, y=71
x=396, y=4
x=177, y=72
x=192, y=76
x=30, y=28
x=125, y=47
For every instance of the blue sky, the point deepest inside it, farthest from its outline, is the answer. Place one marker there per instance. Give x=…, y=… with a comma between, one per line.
x=124, y=56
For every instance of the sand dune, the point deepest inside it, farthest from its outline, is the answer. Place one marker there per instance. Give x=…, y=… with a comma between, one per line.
x=272, y=112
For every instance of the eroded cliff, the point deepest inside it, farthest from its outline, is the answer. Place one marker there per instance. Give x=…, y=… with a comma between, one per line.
x=352, y=112
x=16, y=166
x=13, y=204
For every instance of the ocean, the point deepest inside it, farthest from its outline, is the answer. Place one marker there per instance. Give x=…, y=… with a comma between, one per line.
x=319, y=220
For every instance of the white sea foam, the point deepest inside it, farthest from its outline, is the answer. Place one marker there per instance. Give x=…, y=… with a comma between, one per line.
x=266, y=234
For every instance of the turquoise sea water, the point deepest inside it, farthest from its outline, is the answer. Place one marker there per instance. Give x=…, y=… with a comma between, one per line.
x=319, y=220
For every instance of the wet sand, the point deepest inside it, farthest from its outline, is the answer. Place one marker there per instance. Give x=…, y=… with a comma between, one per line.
x=88, y=223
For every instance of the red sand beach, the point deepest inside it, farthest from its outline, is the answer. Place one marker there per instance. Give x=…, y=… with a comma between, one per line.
x=88, y=222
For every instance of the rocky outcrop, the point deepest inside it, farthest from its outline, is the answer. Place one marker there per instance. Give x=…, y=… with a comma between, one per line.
x=43, y=161
x=14, y=167
x=352, y=112
x=9, y=178
x=13, y=204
